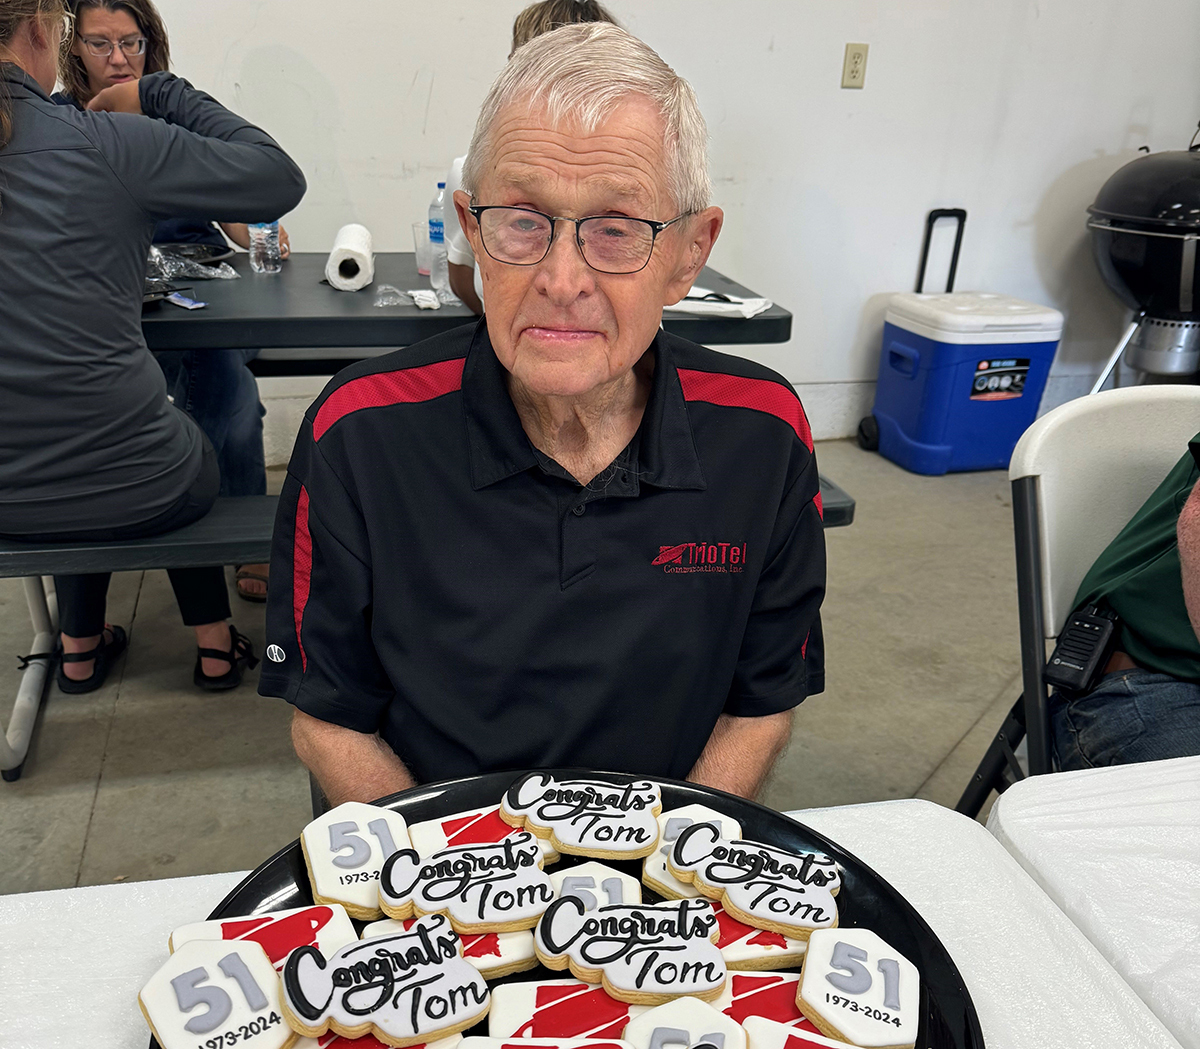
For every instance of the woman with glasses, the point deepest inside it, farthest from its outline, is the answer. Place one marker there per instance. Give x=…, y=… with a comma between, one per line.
x=115, y=42
x=90, y=446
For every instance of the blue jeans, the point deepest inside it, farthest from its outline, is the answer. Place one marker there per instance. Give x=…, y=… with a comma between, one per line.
x=217, y=390
x=1132, y=715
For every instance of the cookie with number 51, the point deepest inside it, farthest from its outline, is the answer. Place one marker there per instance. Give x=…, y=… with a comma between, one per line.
x=857, y=987
x=345, y=850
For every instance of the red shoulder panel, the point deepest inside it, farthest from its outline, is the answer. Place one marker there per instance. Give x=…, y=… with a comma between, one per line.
x=407, y=386
x=736, y=391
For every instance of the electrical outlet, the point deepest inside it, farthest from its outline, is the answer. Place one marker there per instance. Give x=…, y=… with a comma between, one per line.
x=854, y=68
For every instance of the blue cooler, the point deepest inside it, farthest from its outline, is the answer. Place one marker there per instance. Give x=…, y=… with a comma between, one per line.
x=961, y=376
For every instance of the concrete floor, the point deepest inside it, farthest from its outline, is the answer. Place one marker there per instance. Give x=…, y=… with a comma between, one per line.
x=147, y=778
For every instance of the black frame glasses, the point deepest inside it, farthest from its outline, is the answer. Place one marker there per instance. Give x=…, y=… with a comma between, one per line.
x=581, y=241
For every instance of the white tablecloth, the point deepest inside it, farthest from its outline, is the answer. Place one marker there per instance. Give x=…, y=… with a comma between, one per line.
x=1118, y=850
x=1036, y=981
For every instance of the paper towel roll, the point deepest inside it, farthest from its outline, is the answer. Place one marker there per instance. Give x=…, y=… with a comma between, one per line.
x=351, y=264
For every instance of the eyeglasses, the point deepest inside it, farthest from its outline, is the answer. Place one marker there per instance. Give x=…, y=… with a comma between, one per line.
x=608, y=243
x=131, y=46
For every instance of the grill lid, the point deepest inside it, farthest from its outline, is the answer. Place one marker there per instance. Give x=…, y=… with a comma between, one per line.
x=1160, y=190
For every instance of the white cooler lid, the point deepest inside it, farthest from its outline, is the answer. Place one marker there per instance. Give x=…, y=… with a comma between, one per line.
x=974, y=317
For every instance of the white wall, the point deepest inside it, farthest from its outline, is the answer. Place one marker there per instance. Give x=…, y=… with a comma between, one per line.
x=1017, y=110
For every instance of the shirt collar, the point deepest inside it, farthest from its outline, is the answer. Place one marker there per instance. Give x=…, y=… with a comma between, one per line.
x=14, y=74
x=499, y=448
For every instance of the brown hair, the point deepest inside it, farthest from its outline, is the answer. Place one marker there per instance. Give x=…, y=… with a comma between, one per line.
x=540, y=18
x=158, y=48
x=13, y=15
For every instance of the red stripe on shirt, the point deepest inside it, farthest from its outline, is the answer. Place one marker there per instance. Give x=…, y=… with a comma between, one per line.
x=820, y=505
x=301, y=569
x=736, y=391
x=406, y=386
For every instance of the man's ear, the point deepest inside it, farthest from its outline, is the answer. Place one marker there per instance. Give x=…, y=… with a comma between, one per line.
x=701, y=232
x=462, y=201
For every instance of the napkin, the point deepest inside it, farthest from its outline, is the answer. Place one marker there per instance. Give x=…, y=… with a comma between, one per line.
x=707, y=303
x=351, y=264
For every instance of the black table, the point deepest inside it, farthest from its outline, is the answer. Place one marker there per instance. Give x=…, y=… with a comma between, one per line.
x=305, y=327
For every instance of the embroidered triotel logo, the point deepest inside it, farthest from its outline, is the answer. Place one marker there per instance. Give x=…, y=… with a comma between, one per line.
x=701, y=557
x=275, y=654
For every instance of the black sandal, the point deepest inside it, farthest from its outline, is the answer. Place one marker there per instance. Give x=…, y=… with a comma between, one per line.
x=105, y=654
x=239, y=657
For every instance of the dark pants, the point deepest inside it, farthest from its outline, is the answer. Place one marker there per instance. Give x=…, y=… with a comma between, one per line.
x=200, y=592
x=217, y=390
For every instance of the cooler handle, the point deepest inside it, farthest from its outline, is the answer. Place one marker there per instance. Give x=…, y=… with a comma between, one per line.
x=904, y=360
x=960, y=216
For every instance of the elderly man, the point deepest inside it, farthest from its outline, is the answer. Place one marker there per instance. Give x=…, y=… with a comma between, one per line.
x=559, y=536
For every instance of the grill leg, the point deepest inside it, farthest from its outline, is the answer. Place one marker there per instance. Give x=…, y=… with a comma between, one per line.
x=14, y=744
x=1116, y=355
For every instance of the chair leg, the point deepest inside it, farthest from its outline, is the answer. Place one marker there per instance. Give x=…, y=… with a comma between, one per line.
x=999, y=768
x=14, y=743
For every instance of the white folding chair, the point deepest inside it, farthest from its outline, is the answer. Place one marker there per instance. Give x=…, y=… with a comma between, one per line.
x=1078, y=474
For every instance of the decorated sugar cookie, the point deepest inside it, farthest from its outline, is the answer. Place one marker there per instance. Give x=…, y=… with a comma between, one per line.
x=646, y=954
x=212, y=990
x=404, y=989
x=326, y=927
x=345, y=849
x=684, y=1022
x=769, y=888
x=767, y=1034
x=330, y=1040
x=548, y=1043
x=856, y=987
x=495, y=887
x=747, y=948
x=671, y=824
x=557, y=1009
x=771, y=996
x=596, y=884
x=494, y=954
x=586, y=817
x=469, y=827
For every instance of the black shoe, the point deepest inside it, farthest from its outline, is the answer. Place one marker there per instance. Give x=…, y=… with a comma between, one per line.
x=240, y=656
x=105, y=654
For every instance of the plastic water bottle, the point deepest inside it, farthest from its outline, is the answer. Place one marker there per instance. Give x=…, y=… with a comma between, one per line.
x=264, y=247
x=439, y=271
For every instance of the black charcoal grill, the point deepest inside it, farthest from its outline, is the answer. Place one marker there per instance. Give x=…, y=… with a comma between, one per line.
x=1145, y=224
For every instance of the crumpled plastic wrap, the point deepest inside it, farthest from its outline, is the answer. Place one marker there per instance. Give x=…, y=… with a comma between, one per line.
x=167, y=265
x=73, y=960
x=1118, y=849
x=1036, y=981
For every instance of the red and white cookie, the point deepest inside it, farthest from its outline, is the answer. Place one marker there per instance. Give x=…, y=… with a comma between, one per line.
x=787, y=892
x=557, y=1009
x=326, y=926
x=586, y=817
x=469, y=827
x=684, y=1022
x=771, y=996
x=494, y=954
x=646, y=954
x=547, y=1043
x=767, y=1034
x=671, y=824
x=857, y=987
x=345, y=850
x=211, y=990
x=747, y=948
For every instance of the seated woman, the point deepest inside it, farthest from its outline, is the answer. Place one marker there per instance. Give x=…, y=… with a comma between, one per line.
x=117, y=41
x=90, y=446
x=535, y=20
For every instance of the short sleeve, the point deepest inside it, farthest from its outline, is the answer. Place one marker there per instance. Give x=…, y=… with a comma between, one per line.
x=782, y=659
x=320, y=656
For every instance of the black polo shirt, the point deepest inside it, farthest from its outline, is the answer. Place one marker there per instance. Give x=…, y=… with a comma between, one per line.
x=437, y=579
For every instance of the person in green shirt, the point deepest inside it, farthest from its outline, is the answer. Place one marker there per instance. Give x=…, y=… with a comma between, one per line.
x=1147, y=705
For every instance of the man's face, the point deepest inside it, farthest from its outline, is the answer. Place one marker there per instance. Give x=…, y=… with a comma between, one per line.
x=561, y=328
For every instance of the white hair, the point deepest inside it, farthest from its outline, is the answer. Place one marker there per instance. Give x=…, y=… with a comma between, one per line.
x=581, y=73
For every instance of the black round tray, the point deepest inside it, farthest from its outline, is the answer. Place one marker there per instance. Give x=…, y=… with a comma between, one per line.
x=948, y=1019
